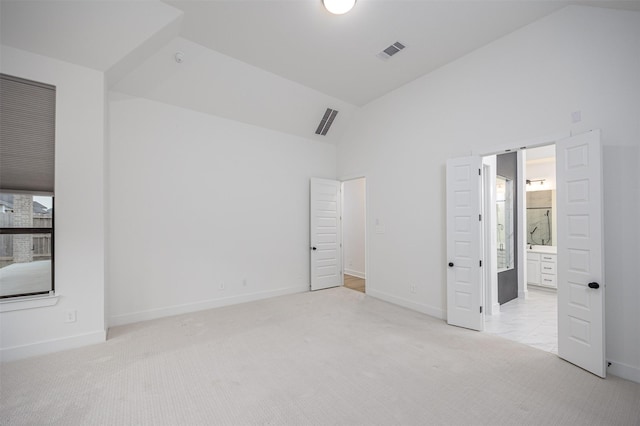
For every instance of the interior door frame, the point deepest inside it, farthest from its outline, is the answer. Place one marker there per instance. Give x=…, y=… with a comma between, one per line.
x=490, y=276
x=519, y=146
x=342, y=180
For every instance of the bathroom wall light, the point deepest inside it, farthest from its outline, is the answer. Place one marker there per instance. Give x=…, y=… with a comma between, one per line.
x=338, y=7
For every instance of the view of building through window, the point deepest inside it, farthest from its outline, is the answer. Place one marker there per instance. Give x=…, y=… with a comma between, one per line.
x=25, y=256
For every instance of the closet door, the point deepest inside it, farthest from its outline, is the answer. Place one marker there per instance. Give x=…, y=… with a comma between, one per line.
x=325, y=234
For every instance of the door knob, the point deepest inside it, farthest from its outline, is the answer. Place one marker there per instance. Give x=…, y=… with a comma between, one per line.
x=594, y=285
x=450, y=264
x=313, y=248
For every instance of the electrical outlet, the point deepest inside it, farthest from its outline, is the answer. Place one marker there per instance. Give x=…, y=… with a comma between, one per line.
x=70, y=316
x=412, y=288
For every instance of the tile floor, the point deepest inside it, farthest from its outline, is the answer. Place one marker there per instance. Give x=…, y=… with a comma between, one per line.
x=532, y=321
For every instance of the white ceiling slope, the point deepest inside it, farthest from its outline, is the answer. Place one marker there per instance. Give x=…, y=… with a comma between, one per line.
x=143, y=51
x=92, y=33
x=300, y=41
x=213, y=83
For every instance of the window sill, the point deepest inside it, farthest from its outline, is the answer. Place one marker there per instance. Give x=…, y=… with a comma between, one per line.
x=28, y=302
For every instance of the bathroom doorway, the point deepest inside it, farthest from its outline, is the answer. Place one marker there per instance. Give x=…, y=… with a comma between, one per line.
x=471, y=286
x=354, y=233
x=530, y=315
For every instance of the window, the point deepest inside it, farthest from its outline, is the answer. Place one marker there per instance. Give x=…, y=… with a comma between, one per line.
x=27, y=144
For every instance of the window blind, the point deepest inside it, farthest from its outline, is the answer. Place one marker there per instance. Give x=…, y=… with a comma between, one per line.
x=27, y=135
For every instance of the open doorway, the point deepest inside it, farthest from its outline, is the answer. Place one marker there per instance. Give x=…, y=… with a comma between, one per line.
x=354, y=233
x=528, y=316
x=580, y=250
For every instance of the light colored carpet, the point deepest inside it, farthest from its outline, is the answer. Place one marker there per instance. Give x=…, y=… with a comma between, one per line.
x=332, y=357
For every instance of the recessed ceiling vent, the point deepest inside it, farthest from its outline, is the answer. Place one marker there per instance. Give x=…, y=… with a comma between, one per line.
x=391, y=50
x=326, y=122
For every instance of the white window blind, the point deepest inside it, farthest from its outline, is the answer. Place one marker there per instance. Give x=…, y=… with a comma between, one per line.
x=27, y=135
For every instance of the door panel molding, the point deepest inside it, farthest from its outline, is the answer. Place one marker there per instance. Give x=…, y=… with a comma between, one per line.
x=325, y=233
x=581, y=284
x=464, y=242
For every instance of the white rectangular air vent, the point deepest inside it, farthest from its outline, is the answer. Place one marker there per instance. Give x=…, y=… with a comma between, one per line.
x=326, y=122
x=391, y=50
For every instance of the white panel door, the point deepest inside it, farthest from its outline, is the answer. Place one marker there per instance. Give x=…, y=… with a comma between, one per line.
x=464, y=283
x=326, y=254
x=580, y=255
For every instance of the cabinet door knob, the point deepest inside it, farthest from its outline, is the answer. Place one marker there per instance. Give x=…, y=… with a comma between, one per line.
x=450, y=264
x=594, y=285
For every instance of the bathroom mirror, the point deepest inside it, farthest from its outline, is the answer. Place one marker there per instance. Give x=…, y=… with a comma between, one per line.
x=540, y=218
x=504, y=215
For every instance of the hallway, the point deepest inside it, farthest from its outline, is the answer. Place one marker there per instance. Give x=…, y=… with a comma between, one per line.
x=354, y=283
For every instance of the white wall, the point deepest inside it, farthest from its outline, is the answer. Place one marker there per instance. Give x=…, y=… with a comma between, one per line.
x=545, y=169
x=353, y=227
x=198, y=202
x=522, y=86
x=541, y=170
x=79, y=212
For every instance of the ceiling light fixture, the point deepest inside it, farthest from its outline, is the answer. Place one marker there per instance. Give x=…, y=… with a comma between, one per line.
x=338, y=7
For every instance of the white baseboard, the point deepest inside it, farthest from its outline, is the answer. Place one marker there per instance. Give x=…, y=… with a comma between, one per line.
x=355, y=273
x=49, y=346
x=425, y=309
x=186, y=308
x=624, y=371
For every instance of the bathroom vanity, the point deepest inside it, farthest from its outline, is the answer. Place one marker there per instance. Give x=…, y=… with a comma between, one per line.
x=541, y=266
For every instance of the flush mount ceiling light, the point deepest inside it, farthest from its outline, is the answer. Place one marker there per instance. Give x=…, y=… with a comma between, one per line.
x=338, y=7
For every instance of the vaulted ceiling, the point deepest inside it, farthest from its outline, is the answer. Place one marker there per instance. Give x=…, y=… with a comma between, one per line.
x=336, y=55
x=277, y=64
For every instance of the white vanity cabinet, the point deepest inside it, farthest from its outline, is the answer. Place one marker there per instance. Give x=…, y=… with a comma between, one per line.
x=533, y=268
x=541, y=268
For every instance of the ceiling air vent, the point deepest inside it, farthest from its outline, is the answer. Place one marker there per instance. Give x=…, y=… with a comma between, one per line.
x=326, y=122
x=391, y=50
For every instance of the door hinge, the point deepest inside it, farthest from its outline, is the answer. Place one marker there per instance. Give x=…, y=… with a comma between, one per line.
x=480, y=217
x=479, y=172
x=480, y=309
x=481, y=263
